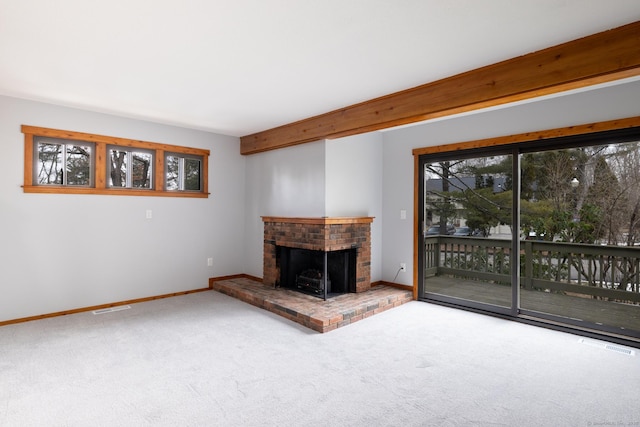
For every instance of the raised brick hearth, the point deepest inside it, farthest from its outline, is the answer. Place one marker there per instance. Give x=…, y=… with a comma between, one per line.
x=318, y=234
x=309, y=311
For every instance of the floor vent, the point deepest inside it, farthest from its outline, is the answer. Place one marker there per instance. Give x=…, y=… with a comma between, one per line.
x=610, y=347
x=112, y=309
x=620, y=349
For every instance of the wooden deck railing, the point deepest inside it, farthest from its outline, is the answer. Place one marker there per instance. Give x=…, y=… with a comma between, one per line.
x=607, y=272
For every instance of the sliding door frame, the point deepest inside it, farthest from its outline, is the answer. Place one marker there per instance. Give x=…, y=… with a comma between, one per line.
x=614, y=131
x=514, y=247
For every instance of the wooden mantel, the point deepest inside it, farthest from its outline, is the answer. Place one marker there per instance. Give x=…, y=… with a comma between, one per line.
x=599, y=58
x=325, y=220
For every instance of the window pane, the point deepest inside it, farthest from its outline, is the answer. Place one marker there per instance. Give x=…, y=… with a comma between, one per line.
x=467, y=230
x=118, y=168
x=50, y=163
x=579, y=218
x=131, y=169
x=78, y=165
x=141, y=170
x=173, y=172
x=192, y=174
x=183, y=173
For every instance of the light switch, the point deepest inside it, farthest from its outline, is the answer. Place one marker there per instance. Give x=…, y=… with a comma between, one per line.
x=149, y=214
x=403, y=214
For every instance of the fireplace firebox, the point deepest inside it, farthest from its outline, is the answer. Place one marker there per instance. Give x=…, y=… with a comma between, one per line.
x=319, y=273
x=321, y=256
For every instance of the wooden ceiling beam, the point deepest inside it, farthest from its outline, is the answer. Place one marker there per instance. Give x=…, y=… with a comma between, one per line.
x=599, y=58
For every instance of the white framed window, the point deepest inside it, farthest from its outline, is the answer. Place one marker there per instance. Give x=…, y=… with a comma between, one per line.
x=183, y=172
x=132, y=168
x=64, y=163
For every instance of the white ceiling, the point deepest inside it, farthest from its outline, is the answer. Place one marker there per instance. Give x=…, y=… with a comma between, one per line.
x=240, y=66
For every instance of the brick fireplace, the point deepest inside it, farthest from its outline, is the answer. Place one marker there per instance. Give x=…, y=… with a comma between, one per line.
x=328, y=235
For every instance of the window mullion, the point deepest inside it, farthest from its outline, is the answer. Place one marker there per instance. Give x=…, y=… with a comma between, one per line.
x=181, y=174
x=515, y=236
x=129, y=170
x=158, y=172
x=64, y=164
x=101, y=165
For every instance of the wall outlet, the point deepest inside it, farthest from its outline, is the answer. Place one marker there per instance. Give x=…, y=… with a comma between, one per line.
x=209, y=262
x=403, y=266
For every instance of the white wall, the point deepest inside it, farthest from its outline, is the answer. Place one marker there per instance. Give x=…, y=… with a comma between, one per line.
x=353, y=177
x=608, y=103
x=285, y=182
x=325, y=178
x=61, y=252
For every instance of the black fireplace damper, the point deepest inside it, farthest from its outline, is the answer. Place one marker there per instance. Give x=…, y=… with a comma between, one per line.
x=305, y=271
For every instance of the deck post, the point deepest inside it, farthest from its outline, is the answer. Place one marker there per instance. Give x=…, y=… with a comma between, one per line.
x=528, y=264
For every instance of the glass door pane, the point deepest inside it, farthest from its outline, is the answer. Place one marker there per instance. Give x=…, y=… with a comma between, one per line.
x=580, y=231
x=467, y=233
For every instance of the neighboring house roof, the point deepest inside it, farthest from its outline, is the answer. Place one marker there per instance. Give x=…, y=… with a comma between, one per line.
x=457, y=184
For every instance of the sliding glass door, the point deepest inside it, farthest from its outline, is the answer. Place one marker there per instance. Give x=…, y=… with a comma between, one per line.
x=580, y=221
x=545, y=231
x=467, y=228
